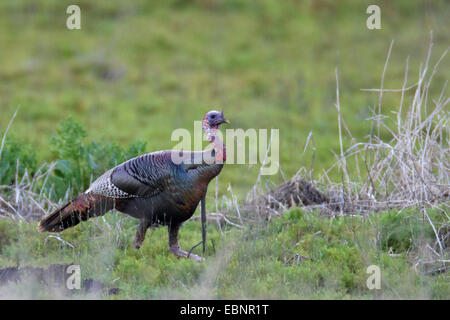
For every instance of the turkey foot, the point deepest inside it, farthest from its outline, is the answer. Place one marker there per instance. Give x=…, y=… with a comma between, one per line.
x=184, y=254
x=175, y=248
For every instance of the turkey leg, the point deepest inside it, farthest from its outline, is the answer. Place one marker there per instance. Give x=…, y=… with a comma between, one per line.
x=175, y=248
x=203, y=217
x=140, y=233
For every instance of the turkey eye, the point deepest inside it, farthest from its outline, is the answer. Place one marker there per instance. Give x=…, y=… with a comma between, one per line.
x=213, y=116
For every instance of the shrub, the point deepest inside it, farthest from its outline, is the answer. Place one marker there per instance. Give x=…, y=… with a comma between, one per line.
x=15, y=158
x=78, y=164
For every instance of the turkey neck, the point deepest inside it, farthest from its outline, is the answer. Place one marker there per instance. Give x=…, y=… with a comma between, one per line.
x=214, y=138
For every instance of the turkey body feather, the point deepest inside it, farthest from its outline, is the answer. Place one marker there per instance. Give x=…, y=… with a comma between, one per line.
x=150, y=187
x=155, y=188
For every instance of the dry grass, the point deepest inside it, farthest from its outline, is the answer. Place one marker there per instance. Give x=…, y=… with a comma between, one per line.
x=408, y=168
x=26, y=199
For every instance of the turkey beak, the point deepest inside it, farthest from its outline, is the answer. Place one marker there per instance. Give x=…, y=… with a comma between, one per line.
x=223, y=118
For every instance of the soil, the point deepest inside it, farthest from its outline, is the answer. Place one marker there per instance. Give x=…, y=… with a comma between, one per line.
x=55, y=276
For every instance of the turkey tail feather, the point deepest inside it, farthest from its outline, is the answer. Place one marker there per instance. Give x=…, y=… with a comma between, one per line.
x=80, y=209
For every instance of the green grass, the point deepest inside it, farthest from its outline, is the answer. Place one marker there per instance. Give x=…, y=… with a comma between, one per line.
x=257, y=262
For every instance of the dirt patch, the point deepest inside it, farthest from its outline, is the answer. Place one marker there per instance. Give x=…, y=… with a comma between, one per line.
x=56, y=276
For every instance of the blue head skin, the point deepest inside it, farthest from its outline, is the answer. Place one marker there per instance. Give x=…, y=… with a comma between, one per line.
x=213, y=119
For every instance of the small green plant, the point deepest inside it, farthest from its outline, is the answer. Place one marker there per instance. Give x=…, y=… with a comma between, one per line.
x=15, y=158
x=77, y=163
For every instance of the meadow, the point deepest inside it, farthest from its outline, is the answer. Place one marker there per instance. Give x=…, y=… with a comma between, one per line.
x=91, y=98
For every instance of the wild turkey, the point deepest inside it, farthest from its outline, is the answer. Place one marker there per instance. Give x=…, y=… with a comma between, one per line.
x=152, y=188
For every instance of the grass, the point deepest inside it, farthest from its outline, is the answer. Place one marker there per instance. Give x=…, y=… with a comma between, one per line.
x=258, y=262
x=137, y=71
